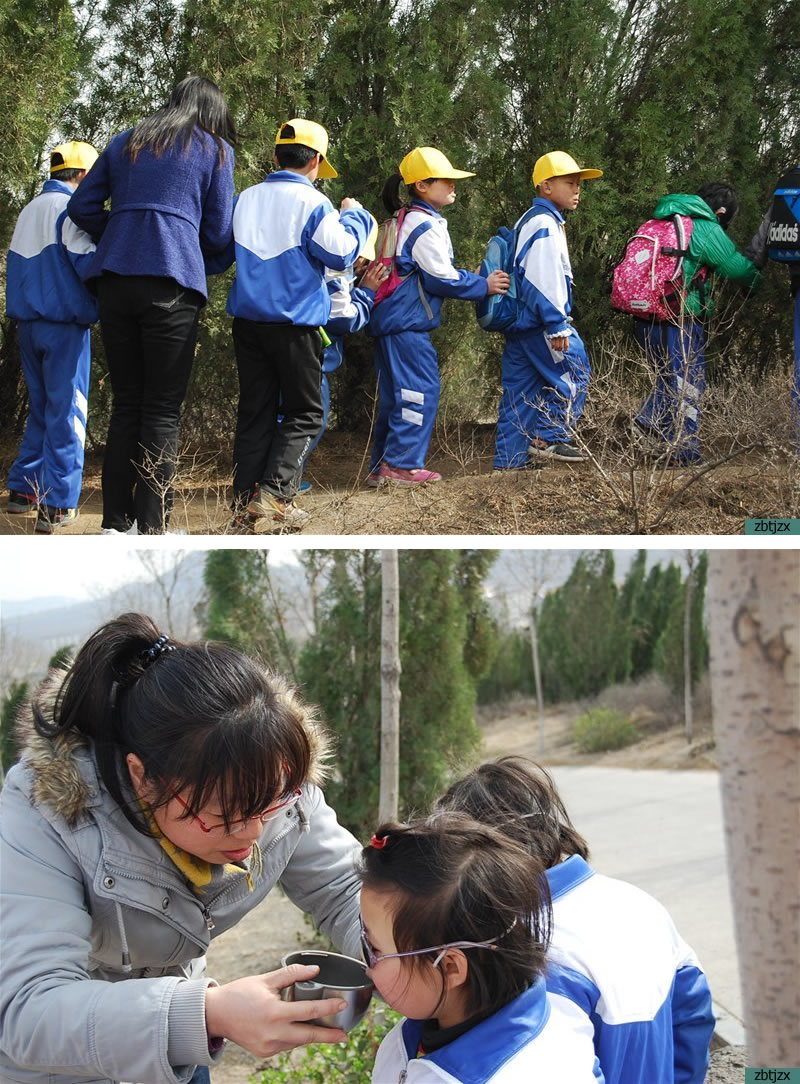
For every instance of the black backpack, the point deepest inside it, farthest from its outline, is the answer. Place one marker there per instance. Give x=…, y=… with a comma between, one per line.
x=783, y=236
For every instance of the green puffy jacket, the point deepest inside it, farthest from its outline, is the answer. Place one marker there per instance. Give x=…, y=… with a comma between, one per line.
x=709, y=246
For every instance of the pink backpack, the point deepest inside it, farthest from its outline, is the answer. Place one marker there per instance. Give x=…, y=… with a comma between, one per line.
x=386, y=247
x=648, y=281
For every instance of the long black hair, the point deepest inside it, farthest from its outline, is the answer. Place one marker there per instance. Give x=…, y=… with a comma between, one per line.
x=194, y=103
x=202, y=717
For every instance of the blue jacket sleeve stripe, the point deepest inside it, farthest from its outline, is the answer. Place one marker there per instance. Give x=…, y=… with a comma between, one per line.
x=692, y=1025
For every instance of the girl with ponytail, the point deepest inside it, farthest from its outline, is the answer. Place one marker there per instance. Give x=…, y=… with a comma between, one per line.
x=165, y=789
x=455, y=920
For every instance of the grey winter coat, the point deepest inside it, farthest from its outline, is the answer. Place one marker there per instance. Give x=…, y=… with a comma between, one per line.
x=80, y=889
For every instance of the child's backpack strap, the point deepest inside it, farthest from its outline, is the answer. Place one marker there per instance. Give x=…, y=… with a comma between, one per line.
x=388, y=238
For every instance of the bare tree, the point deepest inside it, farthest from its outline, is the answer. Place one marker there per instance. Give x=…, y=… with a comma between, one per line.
x=755, y=685
x=688, y=715
x=390, y=688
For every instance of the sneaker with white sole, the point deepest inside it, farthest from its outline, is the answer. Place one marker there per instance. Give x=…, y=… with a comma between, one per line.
x=264, y=506
x=19, y=504
x=373, y=479
x=563, y=450
x=401, y=477
x=50, y=519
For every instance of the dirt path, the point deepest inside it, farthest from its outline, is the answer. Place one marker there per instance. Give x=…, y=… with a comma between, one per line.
x=560, y=499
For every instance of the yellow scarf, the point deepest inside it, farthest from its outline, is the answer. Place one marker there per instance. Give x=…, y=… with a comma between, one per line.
x=200, y=874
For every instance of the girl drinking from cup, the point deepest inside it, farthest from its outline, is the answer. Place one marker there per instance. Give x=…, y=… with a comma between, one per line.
x=165, y=789
x=454, y=930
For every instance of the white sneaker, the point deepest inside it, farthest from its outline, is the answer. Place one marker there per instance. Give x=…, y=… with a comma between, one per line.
x=112, y=530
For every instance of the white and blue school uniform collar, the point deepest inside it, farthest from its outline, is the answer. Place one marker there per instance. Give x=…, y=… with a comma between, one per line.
x=567, y=875
x=478, y=1054
x=288, y=175
x=417, y=202
x=545, y=204
x=52, y=184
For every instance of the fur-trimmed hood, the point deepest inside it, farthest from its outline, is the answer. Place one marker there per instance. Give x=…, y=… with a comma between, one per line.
x=59, y=765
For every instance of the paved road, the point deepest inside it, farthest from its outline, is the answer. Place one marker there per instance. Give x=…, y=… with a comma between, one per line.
x=662, y=831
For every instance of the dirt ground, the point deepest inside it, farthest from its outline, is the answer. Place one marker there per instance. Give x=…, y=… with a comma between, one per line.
x=259, y=941
x=597, y=498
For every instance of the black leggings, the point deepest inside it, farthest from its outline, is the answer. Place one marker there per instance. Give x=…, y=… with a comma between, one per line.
x=149, y=328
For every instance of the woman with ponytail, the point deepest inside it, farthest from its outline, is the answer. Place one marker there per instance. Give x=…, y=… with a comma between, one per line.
x=164, y=790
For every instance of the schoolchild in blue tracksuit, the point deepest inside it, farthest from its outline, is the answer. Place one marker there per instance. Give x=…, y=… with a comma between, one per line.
x=454, y=931
x=405, y=360
x=286, y=233
x=351, y=308
x=614, y=954
x=47, y=264
x=545, y=368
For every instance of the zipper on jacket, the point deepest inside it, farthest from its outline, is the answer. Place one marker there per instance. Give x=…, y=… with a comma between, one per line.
x=402, y=1077
x=209, y=920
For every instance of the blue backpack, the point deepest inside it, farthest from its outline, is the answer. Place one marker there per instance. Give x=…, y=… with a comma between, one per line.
x=500, y=311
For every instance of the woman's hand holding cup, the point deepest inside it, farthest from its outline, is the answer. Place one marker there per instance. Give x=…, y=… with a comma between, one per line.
x=250, y=1013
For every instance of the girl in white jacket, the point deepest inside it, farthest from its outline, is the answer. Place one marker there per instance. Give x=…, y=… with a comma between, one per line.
x=454, y=930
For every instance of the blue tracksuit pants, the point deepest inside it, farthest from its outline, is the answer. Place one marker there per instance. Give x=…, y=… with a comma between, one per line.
x=56, y=362
x=543, y=394
x=677, y=357
x=408, y=397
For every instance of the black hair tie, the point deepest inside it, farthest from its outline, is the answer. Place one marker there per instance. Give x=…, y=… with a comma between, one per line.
x=151, y=654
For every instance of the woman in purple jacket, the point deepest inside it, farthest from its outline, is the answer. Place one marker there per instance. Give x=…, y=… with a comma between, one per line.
x=170, y=181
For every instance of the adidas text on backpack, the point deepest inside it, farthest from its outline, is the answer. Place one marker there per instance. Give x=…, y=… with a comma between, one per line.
x=648, y=281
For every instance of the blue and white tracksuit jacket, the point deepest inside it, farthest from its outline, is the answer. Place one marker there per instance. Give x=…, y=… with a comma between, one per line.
x=47, y=263
x=532, y=1039
x=350, y=312
x=543, y=389
x=405, y=360
x=285, y=234
x=618, y=956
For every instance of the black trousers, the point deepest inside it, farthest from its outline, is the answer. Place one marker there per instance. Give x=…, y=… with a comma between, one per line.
x=149, y=329
x=280, y=365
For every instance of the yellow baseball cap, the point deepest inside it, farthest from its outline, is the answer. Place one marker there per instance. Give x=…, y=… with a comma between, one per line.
x=560, y=164
x=74, y=155
x=425, y=162
x=309, y=134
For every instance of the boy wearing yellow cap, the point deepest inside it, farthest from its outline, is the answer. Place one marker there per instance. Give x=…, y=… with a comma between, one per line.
x=45, y=293
x=286, y=233
x=405, y=360
x=545, y=368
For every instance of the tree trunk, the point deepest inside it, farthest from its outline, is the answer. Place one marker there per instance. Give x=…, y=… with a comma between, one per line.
x=537, y=677
x=755, y=685
x=390, y=688
x=688, y=719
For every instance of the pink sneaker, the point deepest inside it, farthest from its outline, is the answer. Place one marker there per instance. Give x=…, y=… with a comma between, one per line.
x=373, y=479
x=402, y=477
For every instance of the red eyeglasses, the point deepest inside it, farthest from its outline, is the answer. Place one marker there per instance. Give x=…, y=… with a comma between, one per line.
x=222, y=829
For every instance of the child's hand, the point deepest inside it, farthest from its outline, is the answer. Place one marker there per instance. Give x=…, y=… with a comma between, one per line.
x=250, y=1012
x=499, y=283
x=559, y=343
x=348, y=203
x=375, y=274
